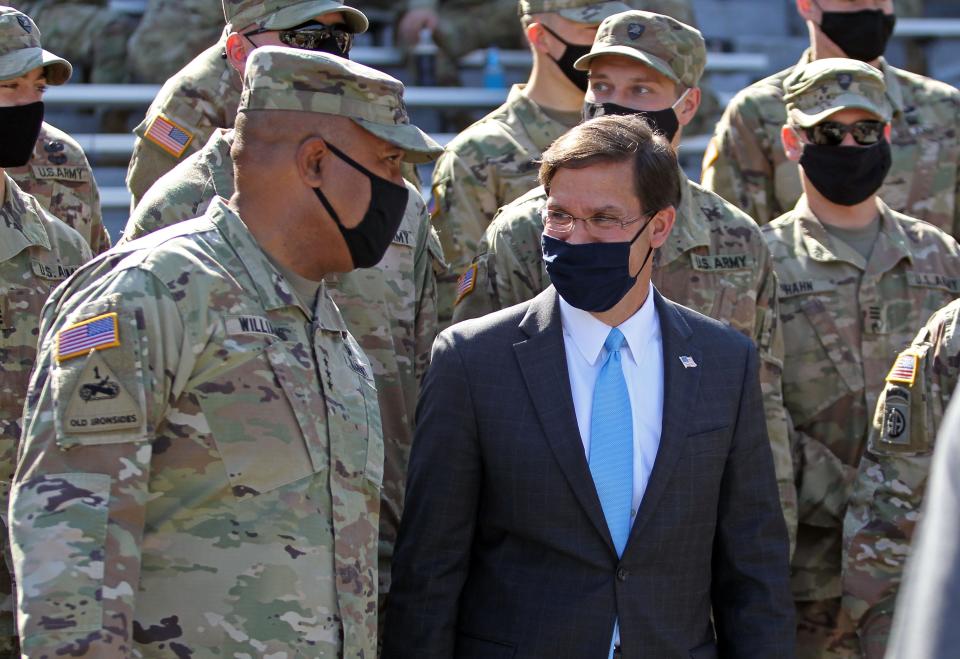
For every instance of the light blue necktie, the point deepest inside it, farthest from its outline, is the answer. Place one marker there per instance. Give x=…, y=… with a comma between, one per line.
x=611, y=446
x=611, y=443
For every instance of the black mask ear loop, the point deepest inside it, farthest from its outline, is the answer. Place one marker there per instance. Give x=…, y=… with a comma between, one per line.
x=649, y=251
x=353, y=163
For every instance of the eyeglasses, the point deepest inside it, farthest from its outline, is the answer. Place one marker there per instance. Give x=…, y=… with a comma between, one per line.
x=333, y=39
x=598, y=226
x=831, y=133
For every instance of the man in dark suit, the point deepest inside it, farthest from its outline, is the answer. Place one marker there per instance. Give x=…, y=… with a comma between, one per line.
x=590, y=474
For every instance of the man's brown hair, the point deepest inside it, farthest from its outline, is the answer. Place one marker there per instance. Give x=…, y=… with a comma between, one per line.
x=617, y=138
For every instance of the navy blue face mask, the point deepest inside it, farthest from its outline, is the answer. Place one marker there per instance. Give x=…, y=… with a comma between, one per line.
x=591, y=276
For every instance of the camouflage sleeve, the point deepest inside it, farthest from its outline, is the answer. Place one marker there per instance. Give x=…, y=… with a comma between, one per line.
x=463, y=207
x=428, y=265
x=99, y=238
x=174, y=200
x=79, y=494
x=509, y=265
x=147, y=164
x=891, y=481
x=769, y=340
x=735, y=165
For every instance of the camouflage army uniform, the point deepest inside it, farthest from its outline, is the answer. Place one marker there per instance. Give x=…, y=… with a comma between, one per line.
x=715, y=262
x=746, y=165
x=86, y=32
x=843, y=322
x=200, y=98
x=60, y=177
x=892, y=477
x=214, y=471
x=154, y=56
x=37, y=252
x=390, y=308
x=488, y=165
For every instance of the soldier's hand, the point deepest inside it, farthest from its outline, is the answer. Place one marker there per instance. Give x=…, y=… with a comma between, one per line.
x=415, y=20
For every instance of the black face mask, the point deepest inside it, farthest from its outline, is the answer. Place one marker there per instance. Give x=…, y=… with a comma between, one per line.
x=861, y=35
x=591, y=276
x=571, y=54
x=19, y=129
x=663, y=121
x=369, y=240
x=846, y=175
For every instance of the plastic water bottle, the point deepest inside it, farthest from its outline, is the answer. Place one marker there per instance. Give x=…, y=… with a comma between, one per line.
x=493, y=76
x=425, y=59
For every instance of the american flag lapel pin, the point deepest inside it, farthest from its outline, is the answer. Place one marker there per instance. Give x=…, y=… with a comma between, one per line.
x=687, y=361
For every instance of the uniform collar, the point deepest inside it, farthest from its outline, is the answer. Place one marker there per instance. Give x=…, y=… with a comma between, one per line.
x=589, y=334
x=218, y=161
x=20, y=224
x=541, y=129
x=274, y=291
x=689, y=231
x=891, y=247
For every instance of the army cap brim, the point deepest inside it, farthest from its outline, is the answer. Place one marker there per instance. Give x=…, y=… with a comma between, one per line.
x=418, y=147
x=599, y=50
x=20, y=62
x=301, y=12
x=842, y=102
x=593, y=14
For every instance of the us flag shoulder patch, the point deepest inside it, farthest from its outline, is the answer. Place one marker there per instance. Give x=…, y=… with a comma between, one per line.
x=97, y=333
x=904, y=369
x=466, y=283
x=169, y=136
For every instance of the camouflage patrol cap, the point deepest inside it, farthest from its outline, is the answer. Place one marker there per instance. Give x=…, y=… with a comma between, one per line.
x=673, y=48
x=284, y=14
x=308, y=81
x=20, y=50
x=820, y=88
x=589, y=12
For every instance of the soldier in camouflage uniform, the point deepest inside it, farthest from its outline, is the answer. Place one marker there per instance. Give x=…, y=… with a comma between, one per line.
x=37, y=252
x=202, y=455
x=745, y=162
x=494, y=161
x=205, y=94
x=87, y=32
x=390, y=308
x=892, y=477
x=154, y=55
x=856, y=279
x=58, y=174
x=715, y=261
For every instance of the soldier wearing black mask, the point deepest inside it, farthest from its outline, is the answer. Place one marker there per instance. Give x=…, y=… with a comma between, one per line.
x=746, y=164
x=856, y=281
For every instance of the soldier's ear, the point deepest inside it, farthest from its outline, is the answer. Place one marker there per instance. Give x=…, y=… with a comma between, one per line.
x=688, y=106
x=237, y=50
x=538, y=37
x=792, y=145
x=806, y=10
x=310, y=160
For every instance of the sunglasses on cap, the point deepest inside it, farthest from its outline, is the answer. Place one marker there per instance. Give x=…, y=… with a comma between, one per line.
x=333, y=39
x=831, y=133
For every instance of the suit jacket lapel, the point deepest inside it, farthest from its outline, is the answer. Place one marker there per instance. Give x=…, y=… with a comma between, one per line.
x=543, y=363
x=680, y=387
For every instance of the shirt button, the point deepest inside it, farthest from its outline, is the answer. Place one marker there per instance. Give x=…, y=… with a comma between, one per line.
x=622, y=574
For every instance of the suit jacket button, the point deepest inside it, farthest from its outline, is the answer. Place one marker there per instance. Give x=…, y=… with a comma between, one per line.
x=622, y=574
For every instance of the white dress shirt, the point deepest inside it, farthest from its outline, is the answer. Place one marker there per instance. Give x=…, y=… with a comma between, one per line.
x=642, y=361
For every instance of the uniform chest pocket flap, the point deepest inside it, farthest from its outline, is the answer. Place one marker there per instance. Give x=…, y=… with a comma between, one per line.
x=262, y=422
